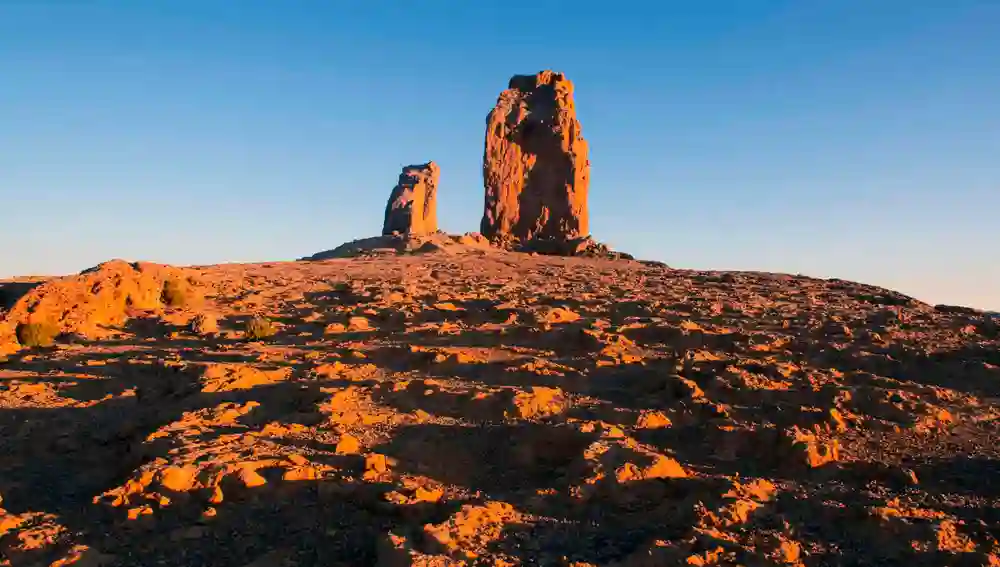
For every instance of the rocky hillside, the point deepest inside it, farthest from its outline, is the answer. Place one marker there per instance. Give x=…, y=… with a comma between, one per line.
x=492, y=408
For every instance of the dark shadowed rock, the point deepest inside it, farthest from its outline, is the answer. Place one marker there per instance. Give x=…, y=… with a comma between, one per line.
x=957, y=309
x=10, y=292
x=586, y=247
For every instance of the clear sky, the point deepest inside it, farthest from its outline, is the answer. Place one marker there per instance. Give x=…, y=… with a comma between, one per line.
x=835, y=138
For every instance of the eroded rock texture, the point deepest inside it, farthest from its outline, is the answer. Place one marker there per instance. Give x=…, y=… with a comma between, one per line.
x=92, y=303
x=490, y=408
x=535, y=165
x=412, y=206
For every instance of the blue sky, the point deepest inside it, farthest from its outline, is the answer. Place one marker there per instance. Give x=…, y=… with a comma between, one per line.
x=835, y=138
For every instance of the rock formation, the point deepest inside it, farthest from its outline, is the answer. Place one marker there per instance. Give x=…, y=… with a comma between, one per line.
x=393, y=244
x=584, y=246
x=535, y=165
x=92, y=303
x=412, y=206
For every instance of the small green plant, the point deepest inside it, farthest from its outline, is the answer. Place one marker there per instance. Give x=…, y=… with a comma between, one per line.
x=258, y=328
x=175, y=293
x=37, y=334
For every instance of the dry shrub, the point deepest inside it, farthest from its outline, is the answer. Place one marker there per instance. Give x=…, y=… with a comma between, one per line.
x=205, y=324
x=37, y=334
x=258, y=328
x=176, y=293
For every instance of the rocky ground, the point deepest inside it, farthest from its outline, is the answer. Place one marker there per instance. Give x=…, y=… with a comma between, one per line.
x=492, y=408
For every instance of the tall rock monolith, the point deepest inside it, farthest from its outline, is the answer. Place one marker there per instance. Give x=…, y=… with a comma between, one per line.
x=535, y=165
x=412, y=206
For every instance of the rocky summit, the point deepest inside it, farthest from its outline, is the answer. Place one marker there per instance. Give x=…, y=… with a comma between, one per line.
x=412, y=205
x=471, y=405
x=535, y=165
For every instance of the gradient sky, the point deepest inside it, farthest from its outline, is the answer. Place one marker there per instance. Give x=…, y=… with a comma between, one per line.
x=857, y=139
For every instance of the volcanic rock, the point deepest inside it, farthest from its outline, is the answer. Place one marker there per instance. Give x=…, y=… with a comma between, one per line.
x=535, y=166
x=500, y=408
x=400, y=244
x=96, y=300
x=412, y=206
x=585, y=246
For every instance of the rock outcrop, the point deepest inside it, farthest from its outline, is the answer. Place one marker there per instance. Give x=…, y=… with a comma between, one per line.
x=396, y=244
x=412, y=206
x=585, y=246
x=92, y=303
x=535, y=165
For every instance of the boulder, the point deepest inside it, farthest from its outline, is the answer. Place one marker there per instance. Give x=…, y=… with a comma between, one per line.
x=535, y=165
x=412, y=206
x=97, y=300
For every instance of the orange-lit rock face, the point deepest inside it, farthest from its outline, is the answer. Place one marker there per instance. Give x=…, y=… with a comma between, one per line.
x=93, y=302
x=535, y=165
x=471, y=406
x=412, y=206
